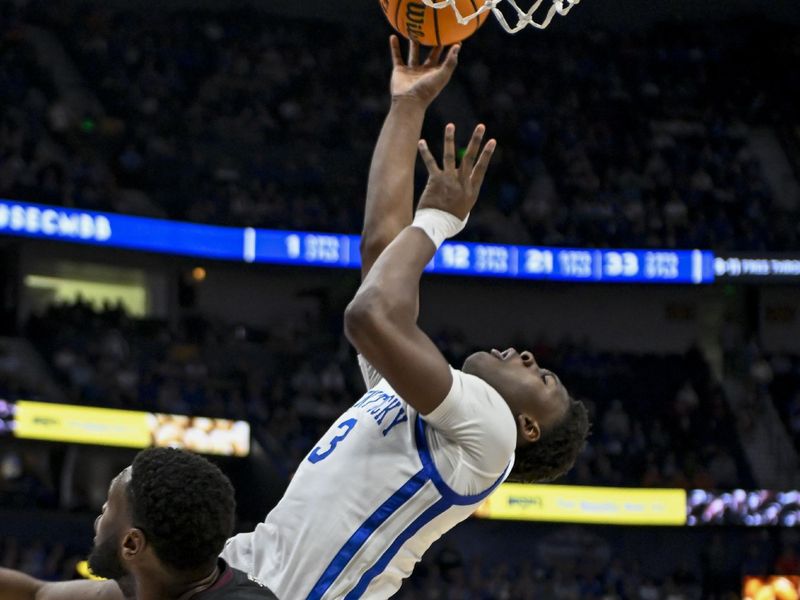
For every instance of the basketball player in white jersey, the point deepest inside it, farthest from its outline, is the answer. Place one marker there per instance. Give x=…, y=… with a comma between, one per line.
x=427, y=443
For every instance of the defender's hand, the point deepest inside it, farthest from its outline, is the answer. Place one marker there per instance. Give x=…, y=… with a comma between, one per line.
x=455, y=190
x=420, y=82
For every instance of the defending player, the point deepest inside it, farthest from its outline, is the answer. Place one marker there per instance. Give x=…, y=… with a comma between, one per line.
x=158, y=538
x=427, y=442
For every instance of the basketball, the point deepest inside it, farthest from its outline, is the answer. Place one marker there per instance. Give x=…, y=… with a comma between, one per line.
x=429, y=26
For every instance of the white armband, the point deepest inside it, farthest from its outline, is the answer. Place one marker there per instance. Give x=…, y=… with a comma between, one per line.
x=439, y=225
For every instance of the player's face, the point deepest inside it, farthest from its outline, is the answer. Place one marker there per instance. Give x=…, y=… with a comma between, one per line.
x=526, y=387
x=109, y=528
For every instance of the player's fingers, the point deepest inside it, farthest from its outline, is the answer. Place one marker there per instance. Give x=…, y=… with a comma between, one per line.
x=451, y=60
x=427, y=157
x=468, y=162
x=479, y=172
x=434, y=56
x=394, y=47
x=449, y=147
x=413, y=54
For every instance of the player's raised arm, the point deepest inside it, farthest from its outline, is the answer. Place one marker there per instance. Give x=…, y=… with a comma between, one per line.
x=381, y=321
x=390, y=188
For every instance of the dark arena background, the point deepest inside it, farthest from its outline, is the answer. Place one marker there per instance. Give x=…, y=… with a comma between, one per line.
x=181, y=184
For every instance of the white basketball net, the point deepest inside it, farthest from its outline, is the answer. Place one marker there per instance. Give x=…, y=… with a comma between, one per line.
x=524, y=18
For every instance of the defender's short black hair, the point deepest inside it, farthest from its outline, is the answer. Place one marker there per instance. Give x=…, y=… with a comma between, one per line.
x=554, y=453
x=184, y=505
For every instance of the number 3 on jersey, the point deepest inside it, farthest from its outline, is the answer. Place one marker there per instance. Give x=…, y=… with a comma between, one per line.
x=317, y=454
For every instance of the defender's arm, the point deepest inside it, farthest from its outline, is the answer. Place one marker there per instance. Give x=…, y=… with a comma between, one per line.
x=18, y=586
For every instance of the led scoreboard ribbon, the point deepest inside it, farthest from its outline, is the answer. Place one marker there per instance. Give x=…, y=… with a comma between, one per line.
x=335, y=250
x=575, y=264
x=120, y=231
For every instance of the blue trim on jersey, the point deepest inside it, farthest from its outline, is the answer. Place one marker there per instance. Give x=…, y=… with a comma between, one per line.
x=362, y=534
x=386, y=510
x=430, y=469
x=448, y=500
x=429, y=515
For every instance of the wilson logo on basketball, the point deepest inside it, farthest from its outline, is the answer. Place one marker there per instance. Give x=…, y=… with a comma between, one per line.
x=415, y=20
x=429, y=27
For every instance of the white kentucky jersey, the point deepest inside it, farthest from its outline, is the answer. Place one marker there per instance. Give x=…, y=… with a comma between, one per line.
x=377, y=490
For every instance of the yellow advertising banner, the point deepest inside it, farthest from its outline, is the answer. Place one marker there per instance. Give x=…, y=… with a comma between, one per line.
x=583, y=504
x=129, y=429
x=81, y=424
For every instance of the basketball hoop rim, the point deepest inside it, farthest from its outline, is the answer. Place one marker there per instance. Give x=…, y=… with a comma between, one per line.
x=525, y=18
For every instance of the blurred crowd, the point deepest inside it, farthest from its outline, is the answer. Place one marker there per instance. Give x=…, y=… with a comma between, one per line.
x=642, y=140
x=774, y=378
x=12, y=383
x=677, y=433
x=50, y=561
x=449, y=577
x=289, y=383
x=293, y=381
x=245, y=119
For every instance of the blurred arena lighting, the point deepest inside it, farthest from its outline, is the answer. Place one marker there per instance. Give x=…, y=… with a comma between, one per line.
x=123, y=428
x=585, y=504
x=759, y=508
x=773, y=587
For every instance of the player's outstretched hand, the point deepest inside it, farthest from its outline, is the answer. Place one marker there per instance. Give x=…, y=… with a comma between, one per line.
x=455, y=189
x=417, y=81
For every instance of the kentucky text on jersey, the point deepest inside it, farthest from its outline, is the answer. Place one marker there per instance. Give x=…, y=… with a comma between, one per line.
x=379, y=405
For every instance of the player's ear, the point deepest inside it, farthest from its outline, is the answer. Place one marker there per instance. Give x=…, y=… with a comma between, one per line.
x=133, y=544
x=529, y=428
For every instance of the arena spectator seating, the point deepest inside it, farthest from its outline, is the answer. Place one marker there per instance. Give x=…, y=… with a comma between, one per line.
x=293, y=381
x=628, y=140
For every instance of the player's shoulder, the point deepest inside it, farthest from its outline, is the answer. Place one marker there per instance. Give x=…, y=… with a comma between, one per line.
x=237, y=585
x=470, y=397
x=249, y=588
x=472, y=384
